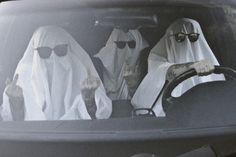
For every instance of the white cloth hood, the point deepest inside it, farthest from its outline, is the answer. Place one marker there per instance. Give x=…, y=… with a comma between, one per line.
x=114, y=60
x=52, y=87
x=168, y=52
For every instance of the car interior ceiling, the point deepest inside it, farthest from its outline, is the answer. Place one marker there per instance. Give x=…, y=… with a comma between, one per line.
x=214, y=23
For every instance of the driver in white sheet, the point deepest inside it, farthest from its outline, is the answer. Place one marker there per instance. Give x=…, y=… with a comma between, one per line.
x=183, y=47
x=120, y=58
x=55, y=80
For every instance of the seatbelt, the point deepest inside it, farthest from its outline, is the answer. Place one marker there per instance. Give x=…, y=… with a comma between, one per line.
x=149, y=111
x=159, y=95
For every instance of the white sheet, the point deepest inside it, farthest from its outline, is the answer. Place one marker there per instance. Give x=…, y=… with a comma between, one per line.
x=52, y=87
x=168, y=52
x=115, y=59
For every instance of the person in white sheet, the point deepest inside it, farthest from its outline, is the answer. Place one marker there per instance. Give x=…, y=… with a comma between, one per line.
x=55, y=80
x=183, y=47
x=120, y=58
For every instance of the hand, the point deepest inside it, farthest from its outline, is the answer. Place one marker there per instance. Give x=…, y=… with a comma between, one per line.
x=128, y=71
x=13, y=90
x=204, y=67
x=131, y=75
x=89, y=86
x=16, y=99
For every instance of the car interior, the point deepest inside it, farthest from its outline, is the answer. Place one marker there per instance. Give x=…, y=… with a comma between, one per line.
x=91, y=28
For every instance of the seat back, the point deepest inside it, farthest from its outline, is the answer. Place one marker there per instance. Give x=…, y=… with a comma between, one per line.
x=121, y=109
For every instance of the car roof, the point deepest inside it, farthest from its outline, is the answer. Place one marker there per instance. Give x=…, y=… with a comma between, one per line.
x=117, y=3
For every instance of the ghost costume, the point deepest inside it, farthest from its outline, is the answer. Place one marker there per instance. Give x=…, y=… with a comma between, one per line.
x=114, y=60
x=168, y=52
x=52, y=86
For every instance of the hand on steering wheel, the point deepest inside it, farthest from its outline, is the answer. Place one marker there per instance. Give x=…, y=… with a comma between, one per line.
x=204, y=67
x=176, y=81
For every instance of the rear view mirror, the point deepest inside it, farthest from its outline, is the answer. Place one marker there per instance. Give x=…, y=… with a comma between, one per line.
x=127, y=21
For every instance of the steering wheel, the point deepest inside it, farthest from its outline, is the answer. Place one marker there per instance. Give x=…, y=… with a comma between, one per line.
x=167, y=98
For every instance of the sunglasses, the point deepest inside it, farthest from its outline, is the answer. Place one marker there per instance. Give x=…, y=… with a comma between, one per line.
x=180, y=37
x=59, y=50
x=122, y=44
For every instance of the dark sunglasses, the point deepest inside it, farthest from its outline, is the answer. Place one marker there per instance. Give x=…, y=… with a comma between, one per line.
x=121, y=44
x=180, y=37
x=59, y=50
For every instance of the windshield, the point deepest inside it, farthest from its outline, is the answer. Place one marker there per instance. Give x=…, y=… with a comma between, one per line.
x=67, y=62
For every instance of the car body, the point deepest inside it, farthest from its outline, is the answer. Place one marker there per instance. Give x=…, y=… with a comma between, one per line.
x=125, y=136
